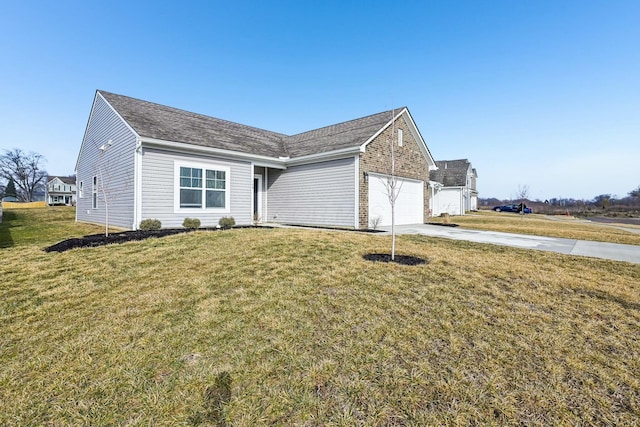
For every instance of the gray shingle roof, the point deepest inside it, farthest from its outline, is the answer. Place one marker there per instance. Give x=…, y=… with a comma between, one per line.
x=171, y=124
x=66, y=179
x=451, y=173
x=352, y=133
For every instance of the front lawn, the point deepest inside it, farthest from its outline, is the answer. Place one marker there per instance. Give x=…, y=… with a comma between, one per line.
x=293, y=327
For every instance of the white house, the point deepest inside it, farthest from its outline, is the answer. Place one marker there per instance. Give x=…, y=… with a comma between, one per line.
x=61, y=190
x=453, y=188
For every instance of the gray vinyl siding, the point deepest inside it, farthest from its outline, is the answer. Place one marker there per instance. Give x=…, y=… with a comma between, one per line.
x=158, y=188
x=116, y=164
x=314, y=194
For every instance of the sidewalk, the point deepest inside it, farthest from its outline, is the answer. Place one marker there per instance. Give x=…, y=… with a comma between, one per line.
x=612, y=251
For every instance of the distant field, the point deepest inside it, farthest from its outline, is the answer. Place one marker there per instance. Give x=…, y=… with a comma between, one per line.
x=541, y=225
x=292, y=327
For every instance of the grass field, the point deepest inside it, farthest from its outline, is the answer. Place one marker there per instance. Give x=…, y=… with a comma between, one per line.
x=541, y=225
x=292, y=327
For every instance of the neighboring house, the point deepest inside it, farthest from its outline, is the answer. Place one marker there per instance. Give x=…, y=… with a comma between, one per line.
x=61, y=190
x=142, y=160
x=453, y=188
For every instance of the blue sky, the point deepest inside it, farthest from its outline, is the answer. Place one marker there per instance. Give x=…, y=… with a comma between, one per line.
x=538, y=93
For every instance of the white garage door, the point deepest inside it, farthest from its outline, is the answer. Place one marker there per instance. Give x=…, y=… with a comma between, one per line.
x=409, y=204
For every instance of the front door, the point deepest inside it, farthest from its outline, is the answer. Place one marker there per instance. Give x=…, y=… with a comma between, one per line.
x=257, y=198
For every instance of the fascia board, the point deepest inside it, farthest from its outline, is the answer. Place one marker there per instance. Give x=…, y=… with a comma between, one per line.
x=423, y=146
x=414, y=131
x=190, y=148
x=86, y=129
x=375, y=135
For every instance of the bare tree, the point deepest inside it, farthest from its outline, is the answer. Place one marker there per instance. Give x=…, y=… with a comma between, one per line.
x=102, y=169
x=392, y=184
x=603, y=200
x=26, y=171
x=522, y=195
x=635, y=194
x=108, y=189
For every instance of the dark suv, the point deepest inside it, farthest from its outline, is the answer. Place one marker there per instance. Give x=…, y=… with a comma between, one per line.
x=513, y=207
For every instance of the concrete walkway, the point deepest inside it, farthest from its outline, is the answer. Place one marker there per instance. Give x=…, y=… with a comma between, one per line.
x=612, y=251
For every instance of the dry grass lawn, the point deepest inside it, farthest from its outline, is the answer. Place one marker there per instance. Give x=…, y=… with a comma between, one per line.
x=292, y=327
x=542, y=225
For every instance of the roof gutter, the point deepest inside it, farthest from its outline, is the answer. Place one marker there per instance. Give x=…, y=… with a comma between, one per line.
x=272, y=162
x=323, y=157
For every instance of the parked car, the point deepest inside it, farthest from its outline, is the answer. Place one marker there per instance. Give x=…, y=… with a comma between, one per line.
x=513, y=207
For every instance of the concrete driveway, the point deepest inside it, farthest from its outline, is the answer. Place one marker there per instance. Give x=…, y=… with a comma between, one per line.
x=612, y=251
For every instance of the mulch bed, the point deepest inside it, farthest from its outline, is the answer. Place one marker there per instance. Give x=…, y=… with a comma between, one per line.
x=399, y=259
x=94, y=240
x=444, y=225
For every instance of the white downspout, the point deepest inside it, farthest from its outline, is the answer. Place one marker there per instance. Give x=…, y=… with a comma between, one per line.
x=356, y=223
x=266, y=193
x=137, y=185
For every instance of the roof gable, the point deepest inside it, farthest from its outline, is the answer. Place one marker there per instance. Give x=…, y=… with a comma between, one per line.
x=451, y=173
x=70, y=180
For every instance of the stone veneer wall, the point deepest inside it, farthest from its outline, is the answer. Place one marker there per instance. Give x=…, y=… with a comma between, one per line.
x=410, y=163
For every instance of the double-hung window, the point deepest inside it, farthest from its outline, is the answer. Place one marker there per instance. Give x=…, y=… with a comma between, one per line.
x=190, y=187
x=94, y=193
x=200, y=186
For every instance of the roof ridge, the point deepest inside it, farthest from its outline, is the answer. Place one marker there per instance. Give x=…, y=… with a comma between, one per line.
x=162, y=122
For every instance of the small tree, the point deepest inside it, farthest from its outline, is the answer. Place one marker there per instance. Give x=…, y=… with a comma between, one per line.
x=523, y=195
x=25, y=169
x=392, y=184
x=10, y=190
x=109, y=158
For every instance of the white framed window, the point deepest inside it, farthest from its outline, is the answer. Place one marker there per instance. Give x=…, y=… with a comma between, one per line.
x=201, y=186
x=400, y=138
x=94, y=193
x=80, y=187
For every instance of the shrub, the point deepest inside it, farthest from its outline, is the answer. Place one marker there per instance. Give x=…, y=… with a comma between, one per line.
x=375, y=222
x=191, y=223
x=227, y=222
x=150, y=224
